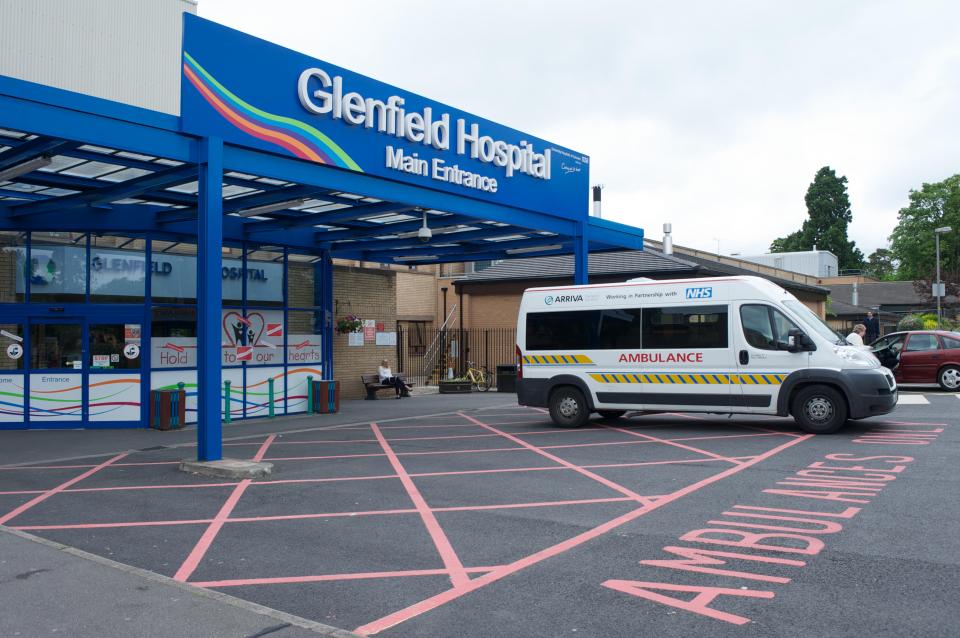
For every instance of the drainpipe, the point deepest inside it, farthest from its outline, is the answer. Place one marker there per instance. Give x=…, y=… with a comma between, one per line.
x=667, y=239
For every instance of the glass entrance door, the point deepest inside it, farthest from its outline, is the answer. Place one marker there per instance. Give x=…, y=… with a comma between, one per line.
x=114, y=376
x=84, y=371
x=56, y=379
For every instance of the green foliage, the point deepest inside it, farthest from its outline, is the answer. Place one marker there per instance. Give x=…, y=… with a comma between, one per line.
x=910, y=322
x=926, y=321
x=912, y=241
x=881, y=265
x=828, y=211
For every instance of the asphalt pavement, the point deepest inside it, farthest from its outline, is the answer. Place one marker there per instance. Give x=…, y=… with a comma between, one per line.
x=485, y=520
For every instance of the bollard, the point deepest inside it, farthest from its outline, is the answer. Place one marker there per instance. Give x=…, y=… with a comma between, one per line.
x=226, y=400
x=174, y=406
x=270, y=397
x=309, y=394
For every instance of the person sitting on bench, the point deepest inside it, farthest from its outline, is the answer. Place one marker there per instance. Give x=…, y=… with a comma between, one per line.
x=388, y=378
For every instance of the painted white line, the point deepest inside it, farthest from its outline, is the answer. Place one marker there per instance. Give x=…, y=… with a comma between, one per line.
x=912, y=399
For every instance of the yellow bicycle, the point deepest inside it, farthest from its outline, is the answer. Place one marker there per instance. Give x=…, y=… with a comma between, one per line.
x=479, y=377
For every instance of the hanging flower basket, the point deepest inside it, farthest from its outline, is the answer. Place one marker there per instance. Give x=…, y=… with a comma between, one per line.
x=348, y=324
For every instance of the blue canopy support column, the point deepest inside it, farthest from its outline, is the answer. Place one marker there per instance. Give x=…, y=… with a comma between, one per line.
x=326, y=312
x=581, y=256
x=209, y=300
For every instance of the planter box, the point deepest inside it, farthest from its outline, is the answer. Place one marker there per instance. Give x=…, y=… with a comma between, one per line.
x=455, y=387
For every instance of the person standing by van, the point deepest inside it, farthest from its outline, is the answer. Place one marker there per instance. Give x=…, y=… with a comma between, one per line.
x=872, y=324
x=855, y=338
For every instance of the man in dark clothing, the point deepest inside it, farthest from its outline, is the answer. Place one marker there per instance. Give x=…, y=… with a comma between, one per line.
x=873, y=328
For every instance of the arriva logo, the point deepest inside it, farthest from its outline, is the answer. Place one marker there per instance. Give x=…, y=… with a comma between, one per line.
x=548, y=300
x=699, y=293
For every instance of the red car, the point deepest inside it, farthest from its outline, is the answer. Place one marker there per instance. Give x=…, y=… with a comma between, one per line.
x=922, y=356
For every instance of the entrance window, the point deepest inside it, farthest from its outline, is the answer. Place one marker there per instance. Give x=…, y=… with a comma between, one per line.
x=13, y=256
x=58, y=268
x=173, y=273
x=117, y=270
x=115, y=346
x=11, y=346
x=56, y=346
x=264, y=277
x=173, y=337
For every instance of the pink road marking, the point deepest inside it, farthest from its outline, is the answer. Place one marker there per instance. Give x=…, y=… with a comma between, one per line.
x=449, y=557
x=443, y=598
x=912, y=423
x=263, y=448
x=200, y=549
x=760, y=429
x=524, y=446
x=46, y=467
x=673, y=443
x=42, y=497
x=556, y=459
x=294, y=517
x=198, y=521
x=284, y=580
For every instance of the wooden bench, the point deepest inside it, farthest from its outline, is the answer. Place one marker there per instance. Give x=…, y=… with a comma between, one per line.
x=372, y=383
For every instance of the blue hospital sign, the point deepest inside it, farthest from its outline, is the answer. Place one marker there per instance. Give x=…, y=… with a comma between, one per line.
x=699, y=293
x=254, y=93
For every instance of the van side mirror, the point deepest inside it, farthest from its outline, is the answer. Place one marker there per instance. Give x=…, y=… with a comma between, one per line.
x=797, y=341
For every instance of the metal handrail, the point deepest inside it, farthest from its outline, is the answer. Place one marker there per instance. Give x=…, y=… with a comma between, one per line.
x=433, y=350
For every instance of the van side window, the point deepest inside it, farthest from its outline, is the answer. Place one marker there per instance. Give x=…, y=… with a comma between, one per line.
x=685, y=327
x=764, y=327
x=609, y=329
x=566, y=330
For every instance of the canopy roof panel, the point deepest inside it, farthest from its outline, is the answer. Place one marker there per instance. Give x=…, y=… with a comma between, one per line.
x=84, y=164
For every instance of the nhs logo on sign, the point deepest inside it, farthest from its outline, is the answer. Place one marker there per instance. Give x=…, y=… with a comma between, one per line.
x=699, y=293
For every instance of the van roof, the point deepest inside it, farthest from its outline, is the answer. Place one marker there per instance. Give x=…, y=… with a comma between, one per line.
x=744, y=279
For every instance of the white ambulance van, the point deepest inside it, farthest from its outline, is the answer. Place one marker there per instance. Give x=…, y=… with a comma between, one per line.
x=721, y=345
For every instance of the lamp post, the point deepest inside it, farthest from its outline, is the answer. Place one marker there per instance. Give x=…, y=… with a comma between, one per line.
x=939, y=290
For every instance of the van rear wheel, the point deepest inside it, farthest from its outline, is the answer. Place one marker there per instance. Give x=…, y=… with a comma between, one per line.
x=819, y=409
x=568, y=408
x=611, y=414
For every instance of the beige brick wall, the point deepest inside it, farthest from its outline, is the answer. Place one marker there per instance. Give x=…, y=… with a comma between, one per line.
x=416, y=298
x=369, y=293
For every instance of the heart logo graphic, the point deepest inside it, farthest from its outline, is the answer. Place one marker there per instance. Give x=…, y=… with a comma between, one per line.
x=241, y=330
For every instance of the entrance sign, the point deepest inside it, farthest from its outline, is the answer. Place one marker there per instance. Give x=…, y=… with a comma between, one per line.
x=251, y=92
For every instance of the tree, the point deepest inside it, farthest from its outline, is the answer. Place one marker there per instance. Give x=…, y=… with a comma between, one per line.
x=828, y=210
x=881, y=265
x=912, y=242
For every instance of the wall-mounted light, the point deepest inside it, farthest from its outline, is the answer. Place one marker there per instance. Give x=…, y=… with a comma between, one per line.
x=25, y=167
x=271, y=208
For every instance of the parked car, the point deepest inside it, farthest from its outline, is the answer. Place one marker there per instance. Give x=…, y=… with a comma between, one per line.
x=922, y=356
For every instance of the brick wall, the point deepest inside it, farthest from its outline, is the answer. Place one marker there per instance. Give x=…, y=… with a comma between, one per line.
x=370, y=294
x=416, y=300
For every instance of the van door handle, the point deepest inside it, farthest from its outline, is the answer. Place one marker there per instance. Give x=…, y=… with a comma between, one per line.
x=744, y=357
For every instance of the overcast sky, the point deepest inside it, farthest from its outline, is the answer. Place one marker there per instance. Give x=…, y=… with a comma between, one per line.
x=714, y=116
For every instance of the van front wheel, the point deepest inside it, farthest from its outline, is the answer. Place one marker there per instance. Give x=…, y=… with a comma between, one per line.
x=819, y=409
x=568, y=408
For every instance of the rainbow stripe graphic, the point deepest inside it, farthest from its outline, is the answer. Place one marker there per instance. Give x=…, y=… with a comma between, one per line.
x=65, y=402
x=298, y=138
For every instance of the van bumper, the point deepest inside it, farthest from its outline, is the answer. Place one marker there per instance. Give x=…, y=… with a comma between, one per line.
x=533, y=392
x=871, y=392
